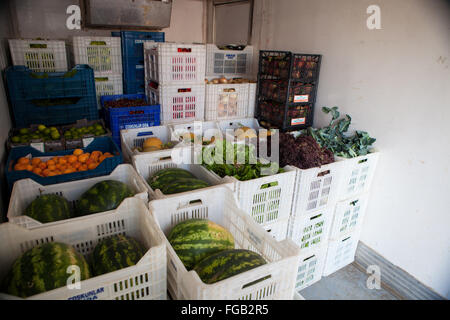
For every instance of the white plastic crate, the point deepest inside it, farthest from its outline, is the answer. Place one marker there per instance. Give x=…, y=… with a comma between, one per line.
x=228, y=63
x=39, y=55
x=310, y=268
x=278, y=230
x=175, y=63
x=26, y=190
x=219, y=205
x=107, y=84
x=148, y=164
x=145, y=280
x=226, y=101
x=266, y=199
x=251, y=100
x=102, y=54
x=133, y=138
x=348, y=216
x=316, y=188
x=229, y=129
x=358, y=175
x=311, y=230
x=179, y=103
x=341, y=252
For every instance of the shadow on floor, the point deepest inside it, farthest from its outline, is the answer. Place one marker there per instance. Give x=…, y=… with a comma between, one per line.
x=349, y=283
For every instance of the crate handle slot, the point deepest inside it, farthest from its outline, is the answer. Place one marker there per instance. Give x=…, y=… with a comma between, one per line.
x=315, y=217
x=101, y=79
x=185, y=90
x=345, y=239
x=165, y=158
x=353, y=203
x=229, y=90
x=269, y=185
x=363, y=160
x=306, y=259
x=190, y=203
x=323, y=173
x=38, y=46
x=193, y=202
x=136, y=112
x=256, y=281
x=146, y=133
x=98, y=43
x=185, y=50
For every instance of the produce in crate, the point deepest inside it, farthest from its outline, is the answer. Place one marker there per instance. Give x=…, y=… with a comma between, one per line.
x=41, y=132
x=227, y=263
x=175, y=180
x=43, y=268
x=302, y=152
x=78, y=161
x=154, y=144
x=224, y=80
x=115, y=253
x=49, y=208
x=103, y=196
x=335, y=137
x=195, y=239
x=251, y=168
x=79, y=132
x=124, y=103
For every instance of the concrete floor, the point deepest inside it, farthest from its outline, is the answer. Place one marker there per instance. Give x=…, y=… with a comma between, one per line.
x=349, y=283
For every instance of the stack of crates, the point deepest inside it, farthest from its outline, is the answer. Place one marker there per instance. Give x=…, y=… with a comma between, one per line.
x=104, y=56
x=175, y=79
x=133, y=58
x=315, y=195
x=287, y=89
x=236, y=98
x=349, y=210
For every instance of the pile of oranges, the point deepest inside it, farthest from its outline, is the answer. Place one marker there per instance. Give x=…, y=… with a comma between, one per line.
x=76, y=162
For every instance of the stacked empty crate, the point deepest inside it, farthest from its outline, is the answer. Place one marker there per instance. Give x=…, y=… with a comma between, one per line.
x=287, y=87
x=230, y=91
x=175, y=79
x=103, y=55
x=349, y=210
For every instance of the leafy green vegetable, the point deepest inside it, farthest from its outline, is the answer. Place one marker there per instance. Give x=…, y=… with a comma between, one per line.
x=236, y=160
x=334, y=137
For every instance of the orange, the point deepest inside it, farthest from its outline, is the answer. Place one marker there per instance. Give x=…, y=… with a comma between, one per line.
x=72, y=159
x=76, y=165
x=107, y=154
x=83, y=167
x=78, y=152
x=63, y=168
x=46, y=172
x=19, y=166
x=37, y=171
x=68, y=170
x=35, y=161
x=103, y=157
x=62, y=161
x=43, y=165
x=51, y=162
x=83, y=157
x=92, y=166
x=51, y=167
x=29, y=167
x=23, y=160
x=52, y=173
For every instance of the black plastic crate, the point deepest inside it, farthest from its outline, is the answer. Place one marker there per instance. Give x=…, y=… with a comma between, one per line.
x=287, y=89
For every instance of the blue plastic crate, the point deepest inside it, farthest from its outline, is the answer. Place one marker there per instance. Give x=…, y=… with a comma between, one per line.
x=133, y=58
x=129, y=117
x=51, y=98
x=104, y=144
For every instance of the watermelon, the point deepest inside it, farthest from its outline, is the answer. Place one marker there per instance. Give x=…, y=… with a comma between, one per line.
x=227, y=263
x=49, y=208
x=184, y=184
x=195, y=239
x=166, y=176
x=103, y=196
x=44, y=268
x=116, y=252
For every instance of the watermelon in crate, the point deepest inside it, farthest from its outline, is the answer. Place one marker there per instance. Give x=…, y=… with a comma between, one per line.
x=273, y=280
x=49, y=208
x=26, y=191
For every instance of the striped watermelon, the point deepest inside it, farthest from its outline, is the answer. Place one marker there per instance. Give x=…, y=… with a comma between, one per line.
x=116, y=252
x=49, y=208
x=184, y=184
x=103, y=196
x=195, y=239
x=44, y=268
x=227, y=263
x=167, y=176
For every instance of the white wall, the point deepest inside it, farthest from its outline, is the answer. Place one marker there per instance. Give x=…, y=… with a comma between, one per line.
x=395, y=83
